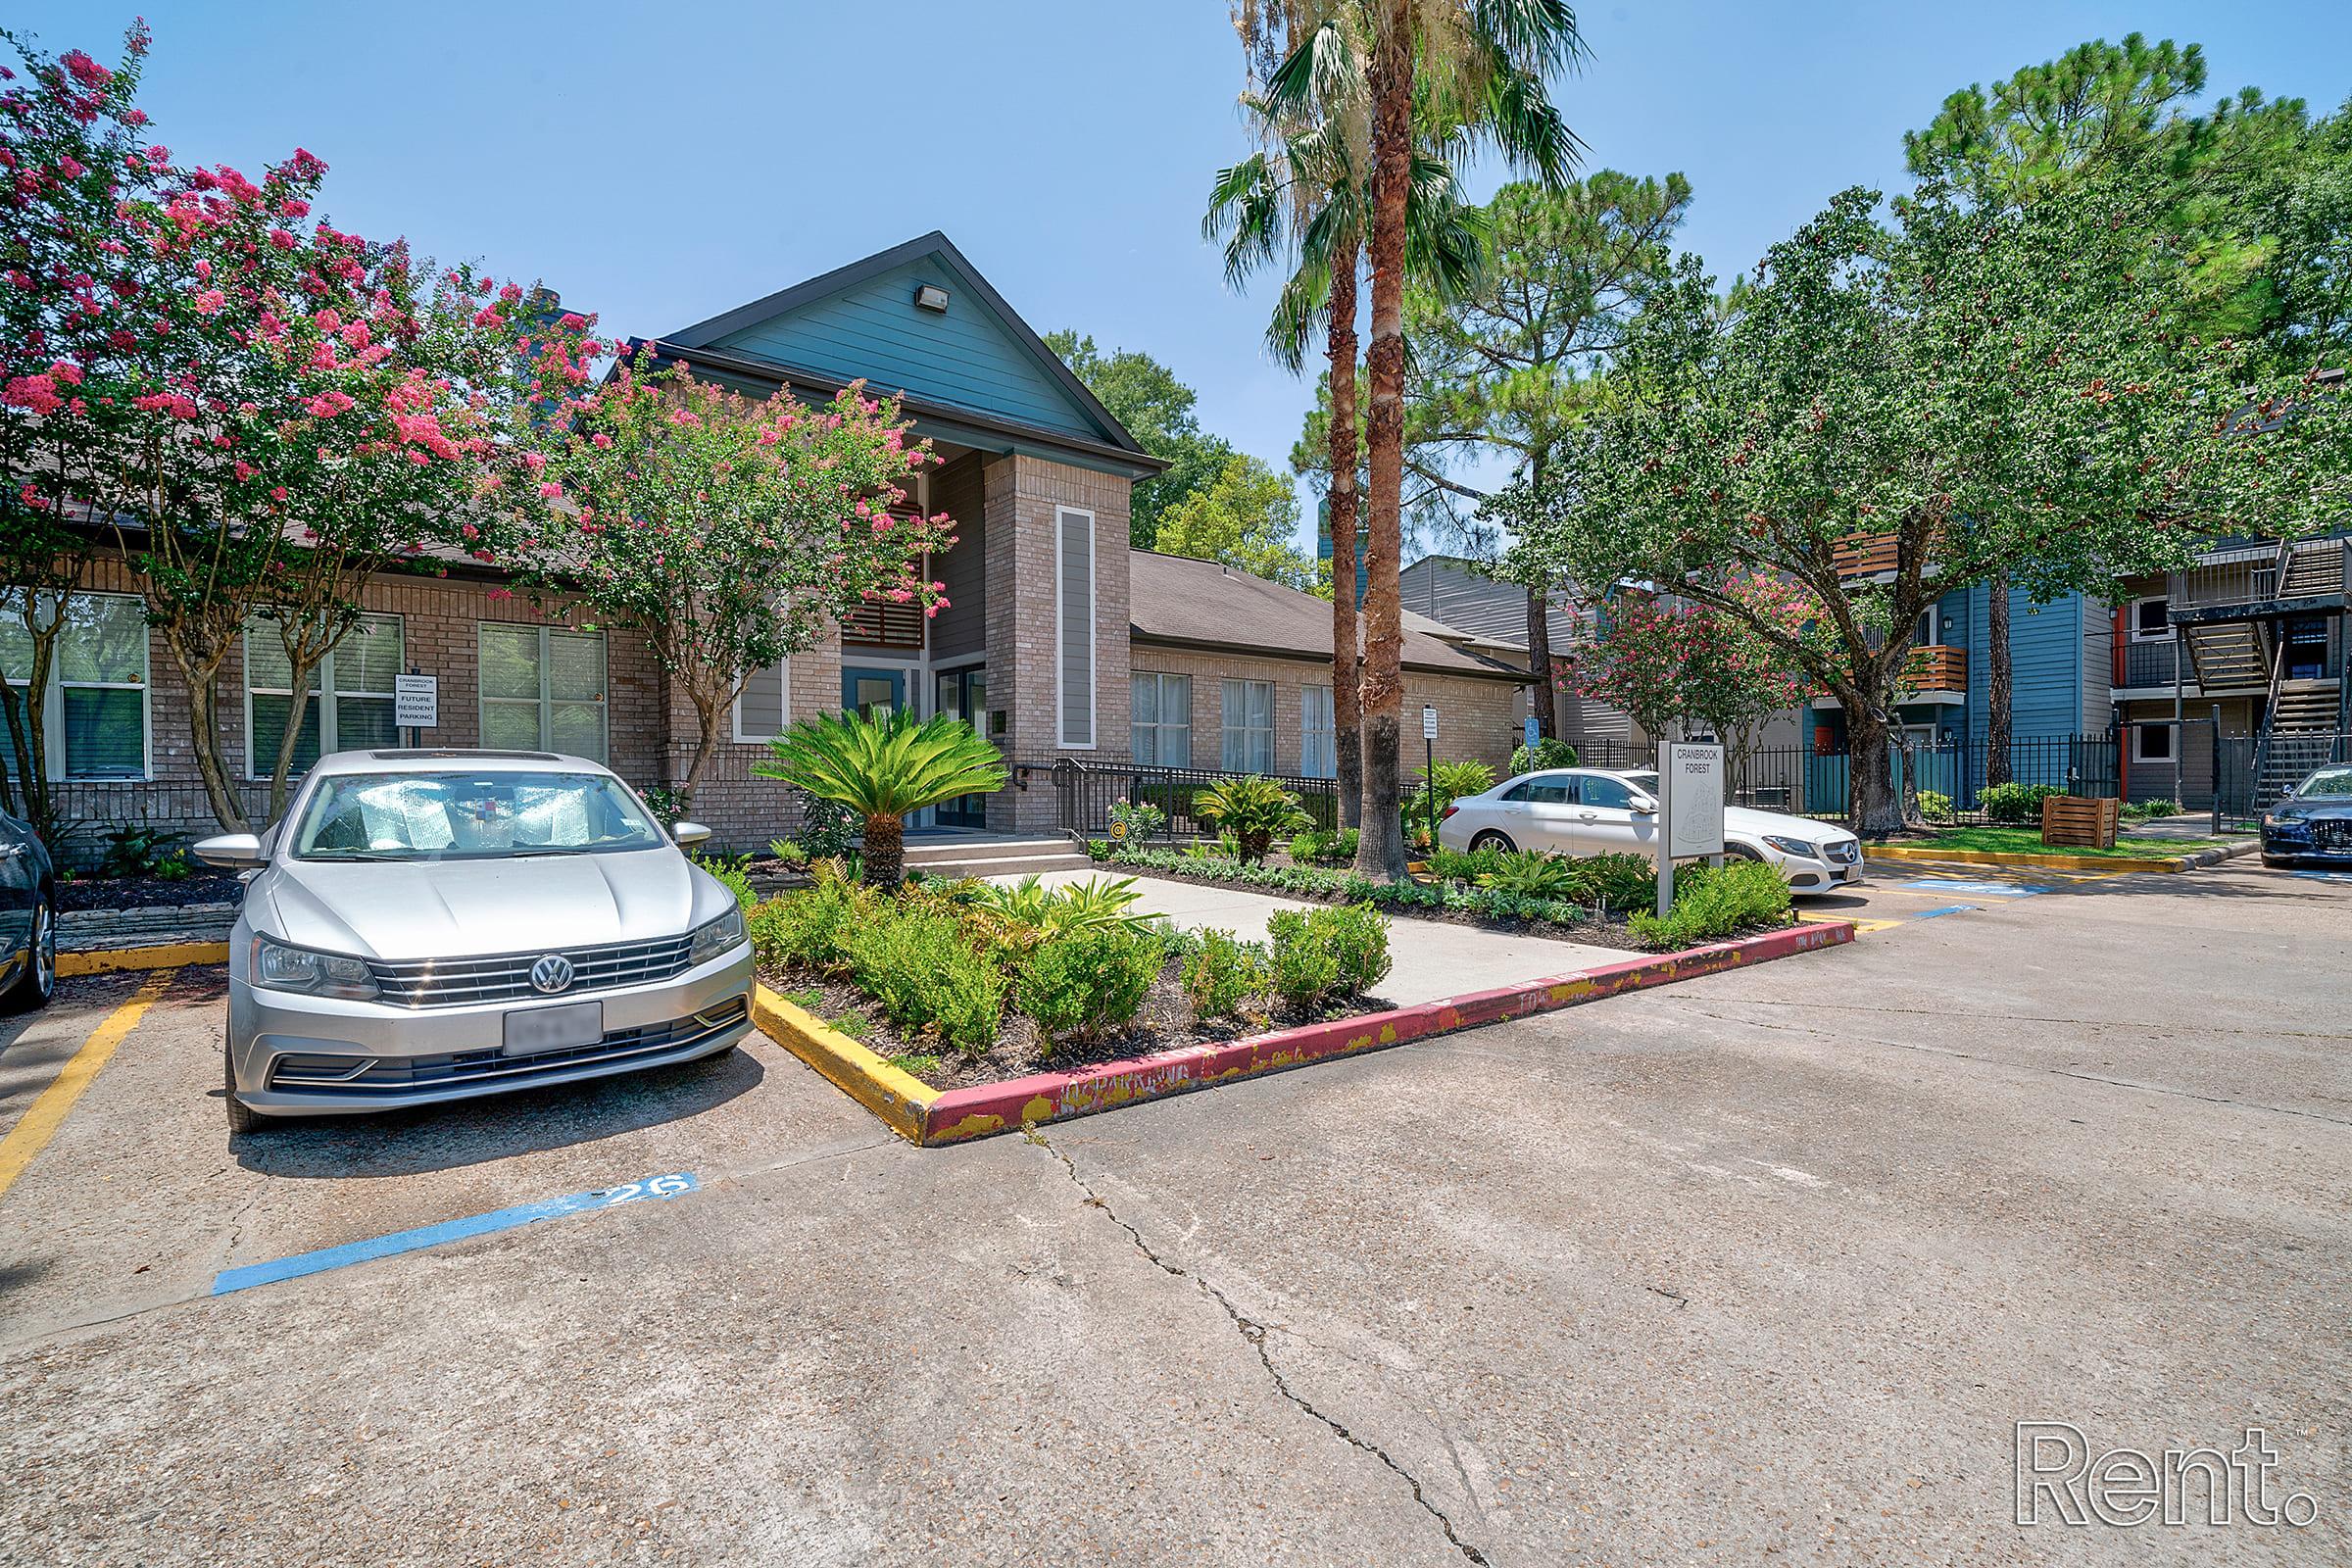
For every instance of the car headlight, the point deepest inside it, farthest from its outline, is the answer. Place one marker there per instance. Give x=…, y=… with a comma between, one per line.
x=2284, y=821
x=714, y=937
x=280, y=966
x=1796, y=847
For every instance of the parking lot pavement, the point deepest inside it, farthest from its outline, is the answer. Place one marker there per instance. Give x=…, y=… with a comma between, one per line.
x=1762, y=1265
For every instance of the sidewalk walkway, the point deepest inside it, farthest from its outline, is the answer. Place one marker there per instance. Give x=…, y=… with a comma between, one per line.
x=1430, y=959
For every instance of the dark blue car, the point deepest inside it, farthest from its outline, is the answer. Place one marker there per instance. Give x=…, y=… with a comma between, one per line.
x=28, y=919
x=2314, y=823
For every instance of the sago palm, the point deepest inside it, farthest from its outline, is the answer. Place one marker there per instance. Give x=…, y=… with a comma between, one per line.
x=1484, y=64
x=883, y=768
x=1303, y=200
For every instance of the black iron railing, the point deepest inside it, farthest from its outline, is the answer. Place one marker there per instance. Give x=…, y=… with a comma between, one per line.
x=1087, y=791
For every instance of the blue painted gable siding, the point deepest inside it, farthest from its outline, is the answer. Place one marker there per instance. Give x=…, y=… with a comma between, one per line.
x=2046, y=663
x=963, y=357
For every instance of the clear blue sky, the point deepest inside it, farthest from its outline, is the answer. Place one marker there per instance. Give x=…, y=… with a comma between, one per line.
x=660, y=163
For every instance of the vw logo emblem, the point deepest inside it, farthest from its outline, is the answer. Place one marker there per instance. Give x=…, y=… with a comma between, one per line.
x=552, y=973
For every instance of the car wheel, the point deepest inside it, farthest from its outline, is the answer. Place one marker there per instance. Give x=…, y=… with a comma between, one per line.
x=2277, y=863
x=242, y=1118
x=1740, y=852
x=1491, y=840
x=36, y=982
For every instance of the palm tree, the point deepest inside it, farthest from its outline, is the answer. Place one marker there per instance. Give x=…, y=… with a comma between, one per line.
x=882, y=768
x=1304, y=198
x=1483, y=64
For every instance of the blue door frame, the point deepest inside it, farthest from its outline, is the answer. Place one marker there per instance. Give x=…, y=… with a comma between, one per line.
x=860, y=689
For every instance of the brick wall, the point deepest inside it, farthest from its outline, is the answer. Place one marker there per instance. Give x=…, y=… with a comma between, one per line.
x=1478, y=719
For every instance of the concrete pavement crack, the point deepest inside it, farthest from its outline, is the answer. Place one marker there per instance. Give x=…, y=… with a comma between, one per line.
x=1255, y=1333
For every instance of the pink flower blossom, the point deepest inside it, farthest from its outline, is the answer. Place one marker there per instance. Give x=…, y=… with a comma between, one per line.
x=209, y=302
x=551, y=490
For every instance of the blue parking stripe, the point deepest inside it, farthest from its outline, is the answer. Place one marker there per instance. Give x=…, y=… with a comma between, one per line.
x=675, y=1184
x=1988, y=889
x=2327, y=877
x=1950, y=909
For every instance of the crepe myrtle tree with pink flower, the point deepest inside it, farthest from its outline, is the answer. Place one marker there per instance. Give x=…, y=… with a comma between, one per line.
x=263, y=410
x=727, y=531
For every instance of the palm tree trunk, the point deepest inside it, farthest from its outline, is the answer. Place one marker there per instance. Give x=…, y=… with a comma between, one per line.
x=883, y=858
x=1347, y=710
x=1379, y=851
x=1997, y=700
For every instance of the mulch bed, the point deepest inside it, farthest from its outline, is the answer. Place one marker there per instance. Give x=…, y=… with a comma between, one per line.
x=148, y=891
x=1166, y=1023
x=1611, y=932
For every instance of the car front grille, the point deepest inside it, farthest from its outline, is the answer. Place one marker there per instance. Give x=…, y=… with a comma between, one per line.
x=2331, y=833
x=379, y=1077
x=1842, y=851
x=451, y=982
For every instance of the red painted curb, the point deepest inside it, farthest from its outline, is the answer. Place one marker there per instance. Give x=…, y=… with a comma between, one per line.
x=976, y=1112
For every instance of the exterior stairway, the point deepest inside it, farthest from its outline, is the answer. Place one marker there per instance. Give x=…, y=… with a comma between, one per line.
x=2301, y=735
x=2313, y=572
x=951, y=853
x=2227, y=653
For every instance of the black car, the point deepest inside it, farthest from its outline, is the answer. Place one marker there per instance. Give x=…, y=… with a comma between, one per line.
x=2314, y=823
x=28, y=919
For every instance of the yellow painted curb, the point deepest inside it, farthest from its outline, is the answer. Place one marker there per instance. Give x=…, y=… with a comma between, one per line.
x=2048, y=863
x=40, y=1121
x=900, y=1099
x=166, y=955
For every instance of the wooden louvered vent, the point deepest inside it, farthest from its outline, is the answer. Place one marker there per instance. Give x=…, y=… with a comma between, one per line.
x=886, y=625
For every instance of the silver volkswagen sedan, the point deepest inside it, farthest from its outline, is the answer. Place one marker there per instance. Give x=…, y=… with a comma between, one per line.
x=430, y=925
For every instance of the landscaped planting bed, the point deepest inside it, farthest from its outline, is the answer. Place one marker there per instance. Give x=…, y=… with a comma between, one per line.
x=963, y=983
x=1596, y=901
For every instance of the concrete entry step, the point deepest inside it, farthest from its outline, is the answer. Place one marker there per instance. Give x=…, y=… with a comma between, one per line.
x=1009, y=866
x=950, y=849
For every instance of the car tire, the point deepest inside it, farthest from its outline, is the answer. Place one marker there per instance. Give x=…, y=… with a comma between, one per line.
x=1491, y=839
x=36, y=982
x=242, y=1118
x=2277, y=863
x=1740, y=852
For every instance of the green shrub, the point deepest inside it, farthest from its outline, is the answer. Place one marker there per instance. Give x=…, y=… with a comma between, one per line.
x=1549, y=751
x=1531, y=873
x=1252, y=808
x=1712, y=902
x=1136, y=821
x=926, y=973
x=729, y=871
x=1619, y=881
x=135, y=851
x=1935, y=805
x=806, y=928
x=1319, y=954
x=1086, y=981
x=2146, y=810
x=1222, y=973
x=1463, y=865
x=826, y=827
x=2015, y=804
x=791, y=853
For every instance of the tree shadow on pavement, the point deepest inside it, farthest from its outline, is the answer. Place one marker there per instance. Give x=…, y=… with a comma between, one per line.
x=404, y=1143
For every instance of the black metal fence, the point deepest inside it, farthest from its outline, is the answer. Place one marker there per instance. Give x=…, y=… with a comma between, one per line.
x=1087, y=791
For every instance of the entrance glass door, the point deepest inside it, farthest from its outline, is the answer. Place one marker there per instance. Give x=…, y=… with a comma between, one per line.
x=872, y=693
x=964, y=694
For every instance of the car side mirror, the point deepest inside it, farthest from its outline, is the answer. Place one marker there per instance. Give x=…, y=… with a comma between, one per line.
x=1643, y=806
x=686, y=835
x=231, y=851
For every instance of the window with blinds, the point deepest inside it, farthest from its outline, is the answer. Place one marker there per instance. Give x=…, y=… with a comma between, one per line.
x=1074, y=627
x=762, y=708
x=1160, y=720
x=348, y=702
x=1249, y=715
x=542, y=689
x=98, y=716
x=1318, y=752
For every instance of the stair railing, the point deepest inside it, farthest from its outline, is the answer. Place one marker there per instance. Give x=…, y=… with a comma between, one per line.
x=2270, y=720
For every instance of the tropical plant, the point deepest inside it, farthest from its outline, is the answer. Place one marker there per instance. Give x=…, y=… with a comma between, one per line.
x=1304, y=199
x=1533, y=875
x=1137, y=821
x=882, y=768
x=133, y=849
x=1480, y=70
x=1448, y=782
x=1094, y=904
x=1252, y=808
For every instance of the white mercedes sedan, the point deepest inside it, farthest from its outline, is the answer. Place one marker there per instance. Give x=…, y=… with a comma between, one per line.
x=1591, y=811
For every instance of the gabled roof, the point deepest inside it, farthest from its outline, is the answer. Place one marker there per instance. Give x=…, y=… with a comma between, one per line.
x=976, y=364
x=1178, y=602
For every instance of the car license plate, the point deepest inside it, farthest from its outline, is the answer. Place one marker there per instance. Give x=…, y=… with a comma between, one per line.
x=578, y=1023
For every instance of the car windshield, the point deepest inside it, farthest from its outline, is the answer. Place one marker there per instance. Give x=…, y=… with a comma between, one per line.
x=2328, y=781
x=471, y=816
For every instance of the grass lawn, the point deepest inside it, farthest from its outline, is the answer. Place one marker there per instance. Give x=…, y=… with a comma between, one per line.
x=2028, y=841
